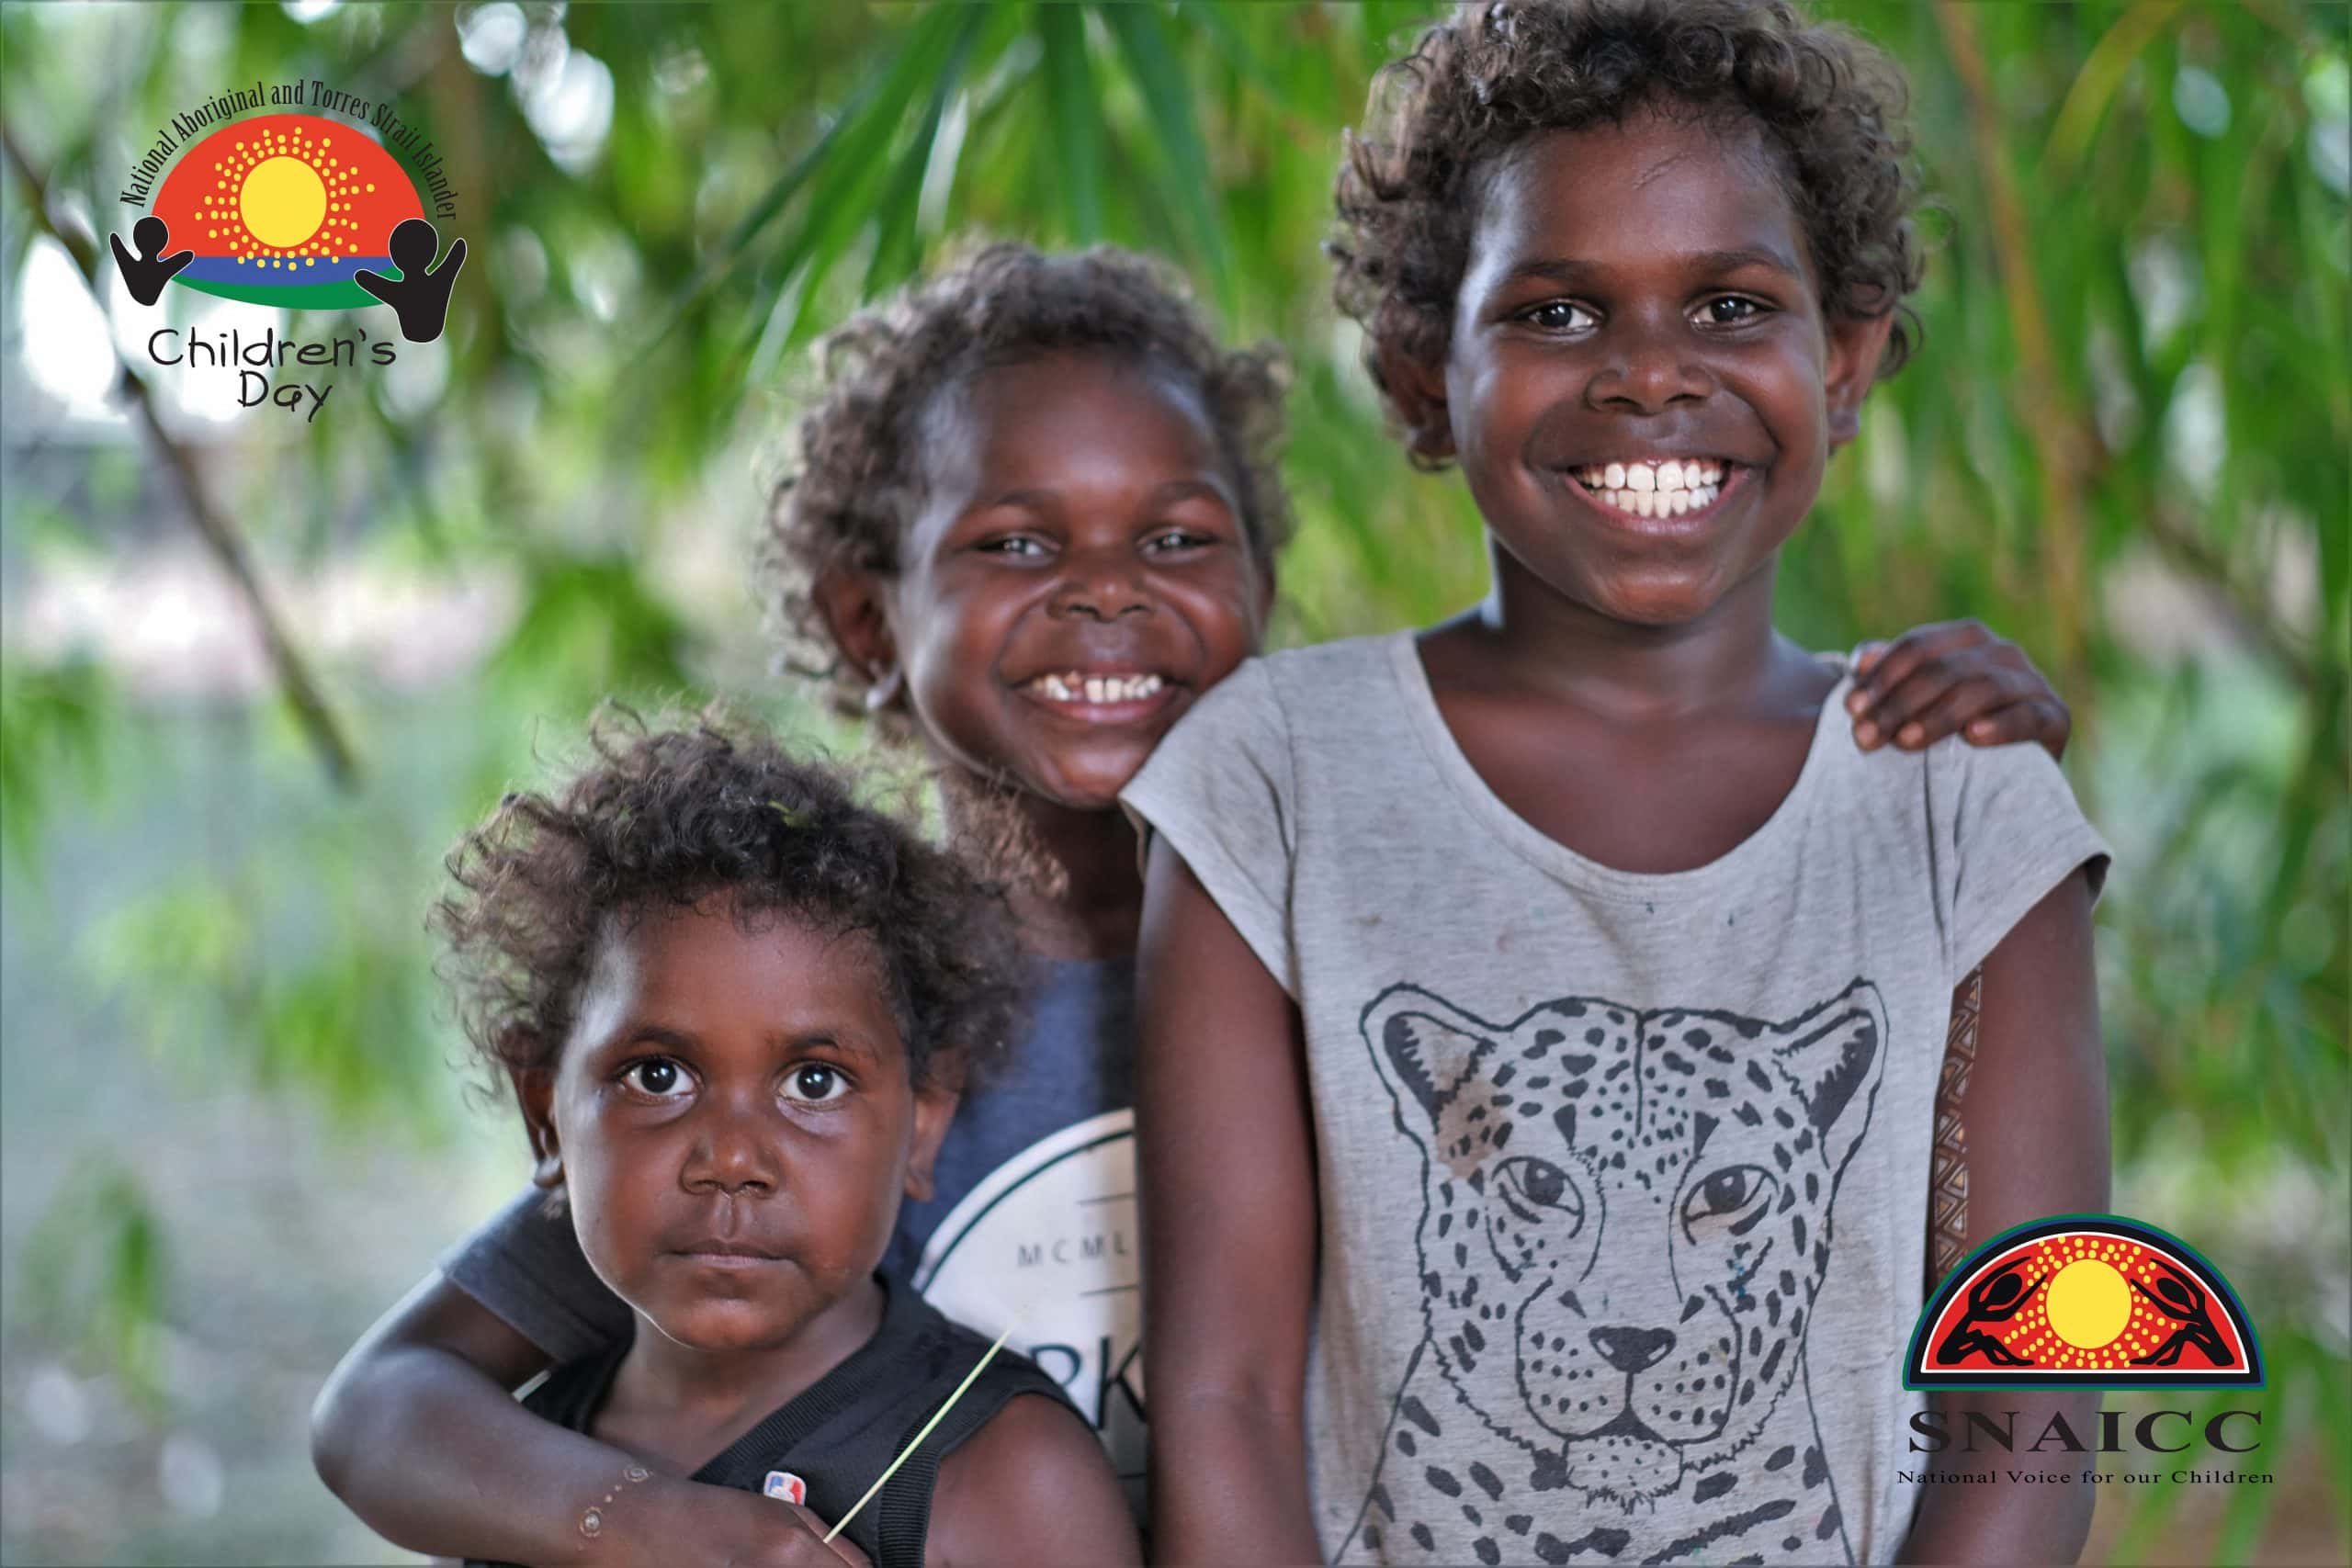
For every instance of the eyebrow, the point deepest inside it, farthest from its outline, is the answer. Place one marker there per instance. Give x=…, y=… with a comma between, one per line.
x=1033, y=499
x=782, y=1043
x=1568, y=268
x=1188, y=489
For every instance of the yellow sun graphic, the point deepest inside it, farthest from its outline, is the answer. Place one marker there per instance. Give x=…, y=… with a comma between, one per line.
x=2088, y=1304
x=282, y=201
x=2087, y=1316
x=282, y=188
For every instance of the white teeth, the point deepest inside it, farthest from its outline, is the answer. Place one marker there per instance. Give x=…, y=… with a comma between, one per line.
x=1074, y=687
x=1659, y=504
x=1667, y=474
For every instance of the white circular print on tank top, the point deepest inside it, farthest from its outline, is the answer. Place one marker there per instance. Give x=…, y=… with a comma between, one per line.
x=1049, y=1243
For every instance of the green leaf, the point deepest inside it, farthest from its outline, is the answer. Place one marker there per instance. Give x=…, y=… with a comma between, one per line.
x=1151, y=55
x=53, y=738
x=1077, y=116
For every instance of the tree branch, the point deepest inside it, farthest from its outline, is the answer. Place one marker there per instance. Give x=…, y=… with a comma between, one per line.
x=228, y=546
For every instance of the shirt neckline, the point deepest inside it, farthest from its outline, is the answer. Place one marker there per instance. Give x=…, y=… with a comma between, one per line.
x=1556, y=858
x=779, y=1429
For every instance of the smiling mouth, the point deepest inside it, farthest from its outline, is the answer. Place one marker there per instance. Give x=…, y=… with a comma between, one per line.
x=1102, y=696
x=1663, y=489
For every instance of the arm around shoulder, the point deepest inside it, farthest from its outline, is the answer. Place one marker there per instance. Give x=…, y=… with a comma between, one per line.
x=1032, y=1488
x=419, y=1434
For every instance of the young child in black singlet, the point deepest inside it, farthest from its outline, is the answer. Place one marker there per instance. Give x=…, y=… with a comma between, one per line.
x=736, y=1008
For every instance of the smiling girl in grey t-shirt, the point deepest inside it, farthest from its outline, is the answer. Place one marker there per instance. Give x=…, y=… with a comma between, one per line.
x=1542, y=1013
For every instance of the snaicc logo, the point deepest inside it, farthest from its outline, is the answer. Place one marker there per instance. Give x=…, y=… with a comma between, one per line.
x=294, y=211
x=2084, y=1300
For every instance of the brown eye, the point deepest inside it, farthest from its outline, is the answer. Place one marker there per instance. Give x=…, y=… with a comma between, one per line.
x=658, y=1077
x=1019, y=545
x=813, y=1083
x=1556, y=315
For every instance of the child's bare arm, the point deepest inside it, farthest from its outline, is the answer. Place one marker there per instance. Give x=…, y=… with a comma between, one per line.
x=418, y=1434
x=1225, y=1146
x=1954, y=678
x=1032, y=1487
x=2038, y=1146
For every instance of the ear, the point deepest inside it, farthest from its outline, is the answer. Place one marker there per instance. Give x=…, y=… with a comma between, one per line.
x=1424, y=1046
x=1835, y=1054
x=1415, y=389
x=535, y=1092
x=1855, y=350
x=934, y=1108
x=851, y=601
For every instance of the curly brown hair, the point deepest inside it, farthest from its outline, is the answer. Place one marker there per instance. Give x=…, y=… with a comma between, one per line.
x=858, y=474
x=1493, y=75
x=669, y=817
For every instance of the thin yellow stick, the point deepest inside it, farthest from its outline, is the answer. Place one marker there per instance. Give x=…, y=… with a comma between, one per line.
x=927, y=1425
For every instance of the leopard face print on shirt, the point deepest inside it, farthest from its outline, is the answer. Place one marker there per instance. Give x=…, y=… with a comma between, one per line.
x=1626, y=1222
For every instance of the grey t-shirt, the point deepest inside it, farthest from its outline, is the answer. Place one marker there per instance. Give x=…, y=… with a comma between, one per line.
x=1032, y=1223
x=1623, y=1177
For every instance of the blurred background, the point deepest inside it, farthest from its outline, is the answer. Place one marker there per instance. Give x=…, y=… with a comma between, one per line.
x=258, y=672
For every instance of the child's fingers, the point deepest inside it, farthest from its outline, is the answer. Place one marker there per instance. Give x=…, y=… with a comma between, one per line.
x=1906, y=655
x=1967, y=698
x=1901, y=704
x=2044, y=720
x=2003, y=726
x=840, y=1549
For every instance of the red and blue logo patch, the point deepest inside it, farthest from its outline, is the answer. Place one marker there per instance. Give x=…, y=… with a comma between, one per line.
x=2082, y=1300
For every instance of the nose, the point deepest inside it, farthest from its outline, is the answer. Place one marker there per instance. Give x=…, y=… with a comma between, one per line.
x=1100, y=585
x=733, y=1152
x=1632, y=1349
x=1650, y=370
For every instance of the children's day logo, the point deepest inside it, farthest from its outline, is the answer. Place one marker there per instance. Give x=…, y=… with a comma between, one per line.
x=297, y=211
x=2087, y=1300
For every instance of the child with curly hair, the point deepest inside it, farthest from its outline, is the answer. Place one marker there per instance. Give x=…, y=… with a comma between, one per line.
x=1542, y=1012
x=1033, y=521
x=735, y=1007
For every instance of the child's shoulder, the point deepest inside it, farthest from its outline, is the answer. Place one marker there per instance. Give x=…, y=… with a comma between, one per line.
x=933, y=1347
x=1033, y=1483
x=1031, y=1480
x=1295, y=686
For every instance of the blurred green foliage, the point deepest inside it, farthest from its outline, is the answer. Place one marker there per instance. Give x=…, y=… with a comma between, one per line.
x=2123, y=446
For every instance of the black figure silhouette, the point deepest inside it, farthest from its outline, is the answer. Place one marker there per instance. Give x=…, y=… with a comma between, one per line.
x=422, y=297
x=145, y=274
x=1996, y=1299
x=2177, y=1297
